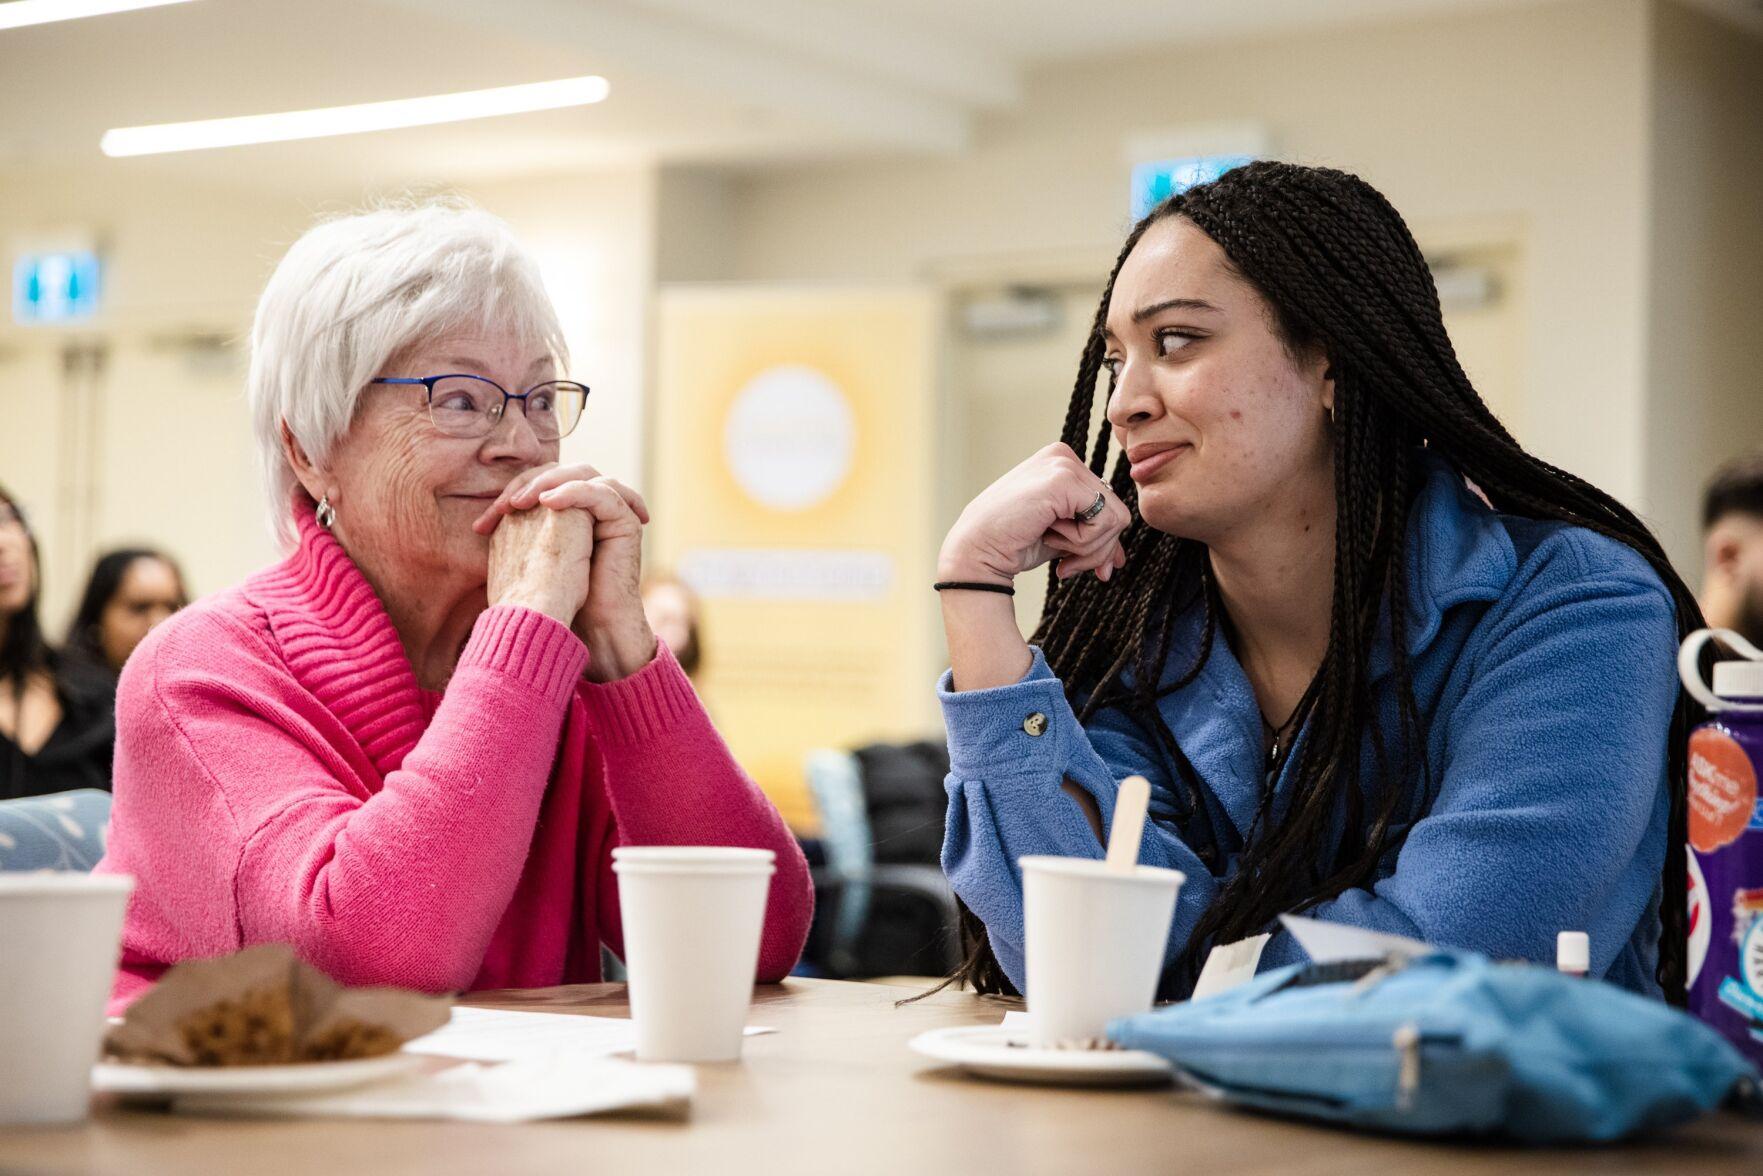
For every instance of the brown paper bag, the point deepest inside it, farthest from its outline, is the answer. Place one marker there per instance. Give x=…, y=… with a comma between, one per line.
x=262, y=1006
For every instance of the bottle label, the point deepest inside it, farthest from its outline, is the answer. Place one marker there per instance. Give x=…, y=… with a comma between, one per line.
x=1701, y=920
x=1746, y=996
x=1722, y=791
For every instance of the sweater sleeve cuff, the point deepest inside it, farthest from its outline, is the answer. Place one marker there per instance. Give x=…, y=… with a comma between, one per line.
x=1024, y=727
x=643, y=705
x=528, y=646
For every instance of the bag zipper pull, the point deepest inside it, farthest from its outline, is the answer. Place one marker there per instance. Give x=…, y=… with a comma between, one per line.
x=1392, y=963
x=1407, y=1042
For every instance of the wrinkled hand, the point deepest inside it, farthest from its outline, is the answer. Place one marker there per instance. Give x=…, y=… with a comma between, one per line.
x=542, y=561
x=610, y=619
x=1028, y=517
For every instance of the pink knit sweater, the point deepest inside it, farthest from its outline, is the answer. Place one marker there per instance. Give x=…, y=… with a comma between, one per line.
x=281, y=778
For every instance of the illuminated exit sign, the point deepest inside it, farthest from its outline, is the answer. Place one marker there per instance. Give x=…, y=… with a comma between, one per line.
x=1155, y=181
x=56, y=287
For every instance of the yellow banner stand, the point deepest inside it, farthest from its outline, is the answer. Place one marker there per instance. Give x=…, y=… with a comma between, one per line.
x=794, y=490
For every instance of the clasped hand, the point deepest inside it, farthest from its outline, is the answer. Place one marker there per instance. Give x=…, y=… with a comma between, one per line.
x=567, y=541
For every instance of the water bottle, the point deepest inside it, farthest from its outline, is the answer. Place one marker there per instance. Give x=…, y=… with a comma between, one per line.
x=1725, y=950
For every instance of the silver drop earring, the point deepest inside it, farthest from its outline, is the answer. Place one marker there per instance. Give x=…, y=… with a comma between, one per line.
x=326, y=513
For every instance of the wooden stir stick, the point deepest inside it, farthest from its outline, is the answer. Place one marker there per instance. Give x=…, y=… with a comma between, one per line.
x=1130, y=804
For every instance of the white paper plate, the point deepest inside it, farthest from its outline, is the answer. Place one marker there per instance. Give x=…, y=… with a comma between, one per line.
x=169, y=1081
x=1002, y=1051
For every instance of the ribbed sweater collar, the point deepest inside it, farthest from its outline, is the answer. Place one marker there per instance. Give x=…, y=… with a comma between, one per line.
x=339, y=642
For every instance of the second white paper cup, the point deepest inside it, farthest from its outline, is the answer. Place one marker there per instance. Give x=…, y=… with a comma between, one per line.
x=1095, y=940
x=693, y=916
x=61, y=934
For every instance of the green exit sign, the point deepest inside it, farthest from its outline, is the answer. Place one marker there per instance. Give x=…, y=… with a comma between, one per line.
x=1155, y=181
x=56, y=287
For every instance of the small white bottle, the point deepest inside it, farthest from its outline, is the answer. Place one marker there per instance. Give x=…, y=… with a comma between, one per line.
x=1573, y=953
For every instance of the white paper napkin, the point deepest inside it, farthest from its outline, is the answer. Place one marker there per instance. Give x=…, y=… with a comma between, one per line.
x=1328, y=943
x=502, y=1035
x=1229, y=965
x=552, y=1086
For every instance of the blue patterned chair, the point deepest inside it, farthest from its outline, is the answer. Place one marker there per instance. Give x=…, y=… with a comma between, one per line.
x=64, y=831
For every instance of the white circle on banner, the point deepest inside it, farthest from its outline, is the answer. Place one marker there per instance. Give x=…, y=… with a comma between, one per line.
x=789, y=437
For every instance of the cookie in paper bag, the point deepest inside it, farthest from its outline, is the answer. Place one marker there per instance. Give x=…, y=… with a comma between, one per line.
x=261, y=1007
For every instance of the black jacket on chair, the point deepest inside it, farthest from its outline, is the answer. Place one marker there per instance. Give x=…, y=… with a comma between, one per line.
x=903, y=791
x=78, y=751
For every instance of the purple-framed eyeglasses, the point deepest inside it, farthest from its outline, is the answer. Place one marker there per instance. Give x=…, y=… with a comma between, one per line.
x=464, y=405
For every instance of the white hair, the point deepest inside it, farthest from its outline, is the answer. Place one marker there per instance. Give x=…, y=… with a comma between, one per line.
x=355, y=292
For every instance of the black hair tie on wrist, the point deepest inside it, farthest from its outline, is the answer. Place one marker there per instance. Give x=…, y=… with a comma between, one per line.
x=974, y=586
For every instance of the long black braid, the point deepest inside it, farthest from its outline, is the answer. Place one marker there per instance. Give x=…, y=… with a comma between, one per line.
x=1343, y=275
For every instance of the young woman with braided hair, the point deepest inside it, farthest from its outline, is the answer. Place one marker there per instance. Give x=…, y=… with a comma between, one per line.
x=1380, y=664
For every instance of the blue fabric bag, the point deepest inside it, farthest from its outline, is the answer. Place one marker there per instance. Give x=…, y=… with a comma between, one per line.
x=1448, y=1043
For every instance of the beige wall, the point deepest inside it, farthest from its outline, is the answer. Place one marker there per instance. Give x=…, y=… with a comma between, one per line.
x=1705, y=329
x=1523, y=128
x=157, y=448
x=181, y=255
x=593, y=236
x=693, y=212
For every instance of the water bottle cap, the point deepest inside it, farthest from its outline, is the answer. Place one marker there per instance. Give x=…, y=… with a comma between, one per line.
x=1738, y=679
x=1573, y=951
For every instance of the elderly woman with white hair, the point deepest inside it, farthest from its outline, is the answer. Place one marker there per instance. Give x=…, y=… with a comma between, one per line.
x=409, y=748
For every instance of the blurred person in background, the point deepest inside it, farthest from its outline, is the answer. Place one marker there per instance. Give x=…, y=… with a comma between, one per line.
x=672, y=610
x=408, y=749
x=130, y=591
x=1732, y=548
x=1361, y=689
x=56, y=728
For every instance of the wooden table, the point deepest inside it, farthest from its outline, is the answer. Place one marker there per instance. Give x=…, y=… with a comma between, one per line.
x=835, y=1090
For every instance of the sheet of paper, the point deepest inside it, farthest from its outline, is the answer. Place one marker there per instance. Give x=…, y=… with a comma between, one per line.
x=1328, y=943
x=1229, y=965
x=550, y=1087
x=500, y=1035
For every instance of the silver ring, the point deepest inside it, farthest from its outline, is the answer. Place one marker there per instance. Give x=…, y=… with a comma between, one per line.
x=1095, y=508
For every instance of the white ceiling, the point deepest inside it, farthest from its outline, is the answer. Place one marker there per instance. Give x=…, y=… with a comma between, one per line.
x=745, y=80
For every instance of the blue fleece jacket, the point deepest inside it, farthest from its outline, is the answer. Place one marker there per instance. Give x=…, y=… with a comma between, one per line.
x=1542, y=658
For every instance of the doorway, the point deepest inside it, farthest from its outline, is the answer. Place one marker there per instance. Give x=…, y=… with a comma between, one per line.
x=113, y=441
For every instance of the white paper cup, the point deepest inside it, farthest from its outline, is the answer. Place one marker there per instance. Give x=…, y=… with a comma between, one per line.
x=1094, y=945
x=60, y=935
x=692, y=916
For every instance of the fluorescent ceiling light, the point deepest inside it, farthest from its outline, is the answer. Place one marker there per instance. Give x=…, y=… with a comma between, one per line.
x=32, y=12
x=353, y=120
